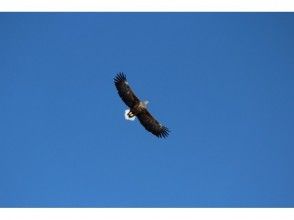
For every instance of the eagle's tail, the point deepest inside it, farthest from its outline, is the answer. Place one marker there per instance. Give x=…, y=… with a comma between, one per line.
x=127, y=117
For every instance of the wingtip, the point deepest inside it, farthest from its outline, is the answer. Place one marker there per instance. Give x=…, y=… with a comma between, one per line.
x=120, y=77
x=164, y=133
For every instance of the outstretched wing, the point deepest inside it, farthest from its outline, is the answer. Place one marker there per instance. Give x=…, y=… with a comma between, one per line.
x=124, y=90
x=152, y=125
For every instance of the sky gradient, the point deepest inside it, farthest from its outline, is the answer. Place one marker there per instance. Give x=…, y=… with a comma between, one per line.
x=223, y=83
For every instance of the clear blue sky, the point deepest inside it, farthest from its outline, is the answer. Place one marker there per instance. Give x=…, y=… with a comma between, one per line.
x=223, y=84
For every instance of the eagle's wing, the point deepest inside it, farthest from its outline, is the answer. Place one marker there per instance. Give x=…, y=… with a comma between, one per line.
x=152, y=125
x=124, y=90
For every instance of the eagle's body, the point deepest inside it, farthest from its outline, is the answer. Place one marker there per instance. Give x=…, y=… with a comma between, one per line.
x=138, y=108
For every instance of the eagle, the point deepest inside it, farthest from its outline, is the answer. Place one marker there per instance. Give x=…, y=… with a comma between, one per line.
x=138, y=108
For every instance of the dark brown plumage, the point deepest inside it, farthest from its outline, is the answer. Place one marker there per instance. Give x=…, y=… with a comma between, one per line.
x=138, y=108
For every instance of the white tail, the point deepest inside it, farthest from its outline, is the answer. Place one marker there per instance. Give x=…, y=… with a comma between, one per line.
x=127, y=117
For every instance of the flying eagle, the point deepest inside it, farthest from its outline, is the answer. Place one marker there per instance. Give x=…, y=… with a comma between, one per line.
x=138, y=108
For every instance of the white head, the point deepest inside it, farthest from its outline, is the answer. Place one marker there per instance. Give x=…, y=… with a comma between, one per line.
x=145, y=103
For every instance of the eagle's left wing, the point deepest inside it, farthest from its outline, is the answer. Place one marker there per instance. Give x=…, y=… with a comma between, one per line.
x=152, y=125
x=124, y=90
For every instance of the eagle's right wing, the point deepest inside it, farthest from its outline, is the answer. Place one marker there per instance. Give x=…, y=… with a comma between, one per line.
x=124, y=90
x=152, y=125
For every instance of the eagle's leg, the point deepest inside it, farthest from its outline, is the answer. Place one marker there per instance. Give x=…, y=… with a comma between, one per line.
x=130, y=114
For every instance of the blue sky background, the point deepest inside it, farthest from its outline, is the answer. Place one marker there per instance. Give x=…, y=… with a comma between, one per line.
x=223, y=83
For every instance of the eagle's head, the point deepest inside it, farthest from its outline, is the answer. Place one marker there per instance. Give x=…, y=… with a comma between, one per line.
x=145, y=103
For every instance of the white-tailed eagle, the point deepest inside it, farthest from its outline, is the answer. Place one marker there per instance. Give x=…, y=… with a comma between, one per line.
x=138, y=108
